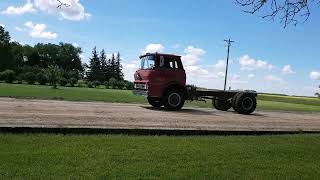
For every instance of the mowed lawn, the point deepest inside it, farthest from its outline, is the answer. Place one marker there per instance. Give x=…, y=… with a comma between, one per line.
x=43, y=156
x=265, y=102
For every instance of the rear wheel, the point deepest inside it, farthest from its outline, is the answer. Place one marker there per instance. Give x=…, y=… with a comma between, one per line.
x=155, y=102
x=244, y=103
x=222, y=105
x=174, y=100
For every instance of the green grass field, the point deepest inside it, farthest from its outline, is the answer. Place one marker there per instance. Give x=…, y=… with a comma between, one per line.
x=265, y=102
x=43, y=156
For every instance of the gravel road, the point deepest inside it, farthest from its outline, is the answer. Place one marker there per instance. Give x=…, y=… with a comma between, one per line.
x=66, y=114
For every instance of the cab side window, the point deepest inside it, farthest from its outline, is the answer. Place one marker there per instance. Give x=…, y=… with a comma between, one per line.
x=176, y=64
x=162, y=61
x=169, y=63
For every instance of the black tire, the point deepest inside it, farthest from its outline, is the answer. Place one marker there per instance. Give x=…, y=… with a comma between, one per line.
x=174, y=100
x=221, y=105
x=155, y=102
x=244, y=103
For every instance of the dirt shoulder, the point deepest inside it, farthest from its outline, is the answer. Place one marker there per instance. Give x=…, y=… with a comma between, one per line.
x=67, y=114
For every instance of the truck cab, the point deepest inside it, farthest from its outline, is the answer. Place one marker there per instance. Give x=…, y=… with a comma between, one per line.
x=158, y=74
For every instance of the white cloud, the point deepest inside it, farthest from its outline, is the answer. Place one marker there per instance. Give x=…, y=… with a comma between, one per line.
x=75, y=45
x=247, y=63
x=250, y=76
x=39, y=31
x=314, y=75
x=19, y=29
x=27, y=8
x=82, y=57
x=287, y=69
x=220, y=65
x=129, y=69
x=74, y=12
x=192, y=55
x=220, y=74
x=176, y=46
x=153, y=48
x=197, y=71
x=235, y=77
x=2, y=25
x=273, y=78
x=196, y=74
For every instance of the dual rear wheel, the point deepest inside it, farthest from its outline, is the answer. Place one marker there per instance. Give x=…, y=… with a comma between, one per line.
x=243, y=103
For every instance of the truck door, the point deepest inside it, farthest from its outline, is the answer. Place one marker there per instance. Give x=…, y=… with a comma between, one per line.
x=172, y=70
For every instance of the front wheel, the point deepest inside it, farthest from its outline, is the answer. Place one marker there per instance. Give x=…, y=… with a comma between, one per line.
x=155, y=102
x=174, y=100
x=244, y=103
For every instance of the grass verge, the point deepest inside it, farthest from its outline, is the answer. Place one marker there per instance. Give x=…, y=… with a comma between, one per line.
x=43, y=156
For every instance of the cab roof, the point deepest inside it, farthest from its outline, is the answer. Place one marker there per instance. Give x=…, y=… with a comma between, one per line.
x=160, y=54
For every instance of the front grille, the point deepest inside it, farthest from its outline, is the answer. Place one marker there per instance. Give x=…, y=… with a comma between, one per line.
x=140, y=86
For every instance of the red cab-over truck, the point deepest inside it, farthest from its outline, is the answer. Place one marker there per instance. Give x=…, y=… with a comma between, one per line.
x=162, y=79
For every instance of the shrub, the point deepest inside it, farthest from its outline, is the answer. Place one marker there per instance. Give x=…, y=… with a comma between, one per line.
x=82, y=83
x=30, y=77
x=71, y=74
x=106, y=84
x=120, y=84
x=112, y=82
x=54, y=74
x=73, y=81
x=8, y=76
x=42, y=78
x=96, y=84
x=129, y=85
x=90, y=84
x=63, y=82
x=20, y=78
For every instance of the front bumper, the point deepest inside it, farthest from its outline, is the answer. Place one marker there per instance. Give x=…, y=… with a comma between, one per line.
x=139, y=92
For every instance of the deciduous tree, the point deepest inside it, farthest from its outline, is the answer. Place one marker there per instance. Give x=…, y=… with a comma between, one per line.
x=287, y=11
x=6, y=60
x=4, y=36
x=318, y=93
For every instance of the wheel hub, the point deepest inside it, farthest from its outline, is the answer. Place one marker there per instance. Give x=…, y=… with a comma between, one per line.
x=247, y=103
x=174, y=99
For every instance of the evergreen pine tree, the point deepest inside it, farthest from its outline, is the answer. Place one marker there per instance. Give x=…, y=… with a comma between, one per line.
x=109, y=70
x=104, y=66
x=113, y=67
x=94, y=73
x=118, y=68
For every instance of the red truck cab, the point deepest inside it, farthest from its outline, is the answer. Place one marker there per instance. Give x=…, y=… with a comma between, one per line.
x=158, y=74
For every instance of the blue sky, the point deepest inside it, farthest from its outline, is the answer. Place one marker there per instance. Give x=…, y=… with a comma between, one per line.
x=265, y=57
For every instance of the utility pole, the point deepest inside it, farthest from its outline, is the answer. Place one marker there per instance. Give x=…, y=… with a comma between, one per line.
x=226, y=75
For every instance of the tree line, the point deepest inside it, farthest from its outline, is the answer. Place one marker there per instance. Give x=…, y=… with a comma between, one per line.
x=57, y=64
x=102, y=69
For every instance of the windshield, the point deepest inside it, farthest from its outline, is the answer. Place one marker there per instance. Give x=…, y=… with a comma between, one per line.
x=147, y=62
